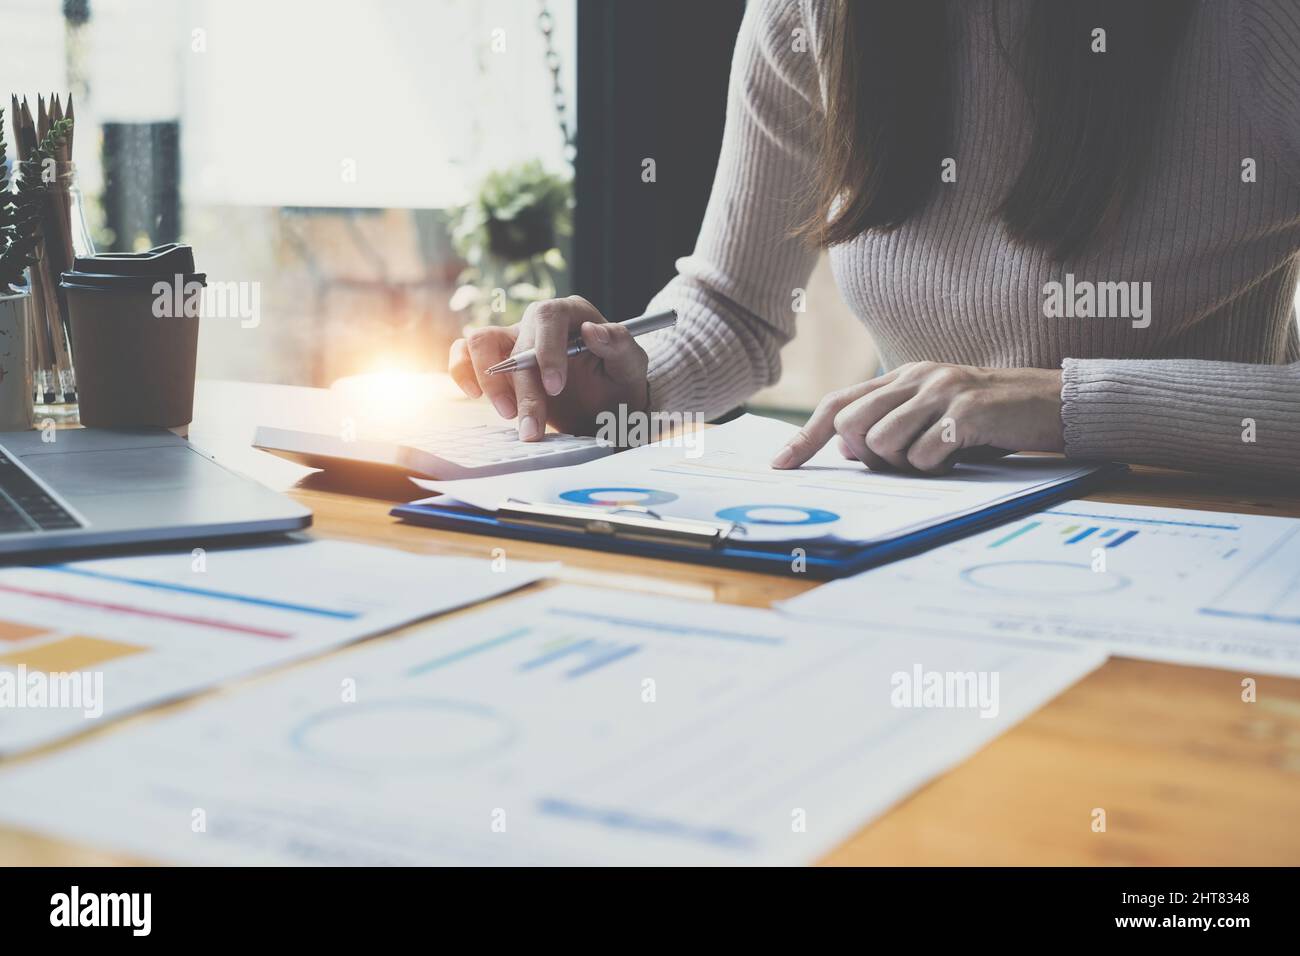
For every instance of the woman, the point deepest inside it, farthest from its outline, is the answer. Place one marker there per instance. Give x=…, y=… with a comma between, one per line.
x=1068, y=226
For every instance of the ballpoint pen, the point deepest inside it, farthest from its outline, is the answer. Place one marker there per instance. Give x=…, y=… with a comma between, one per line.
x=639, y=326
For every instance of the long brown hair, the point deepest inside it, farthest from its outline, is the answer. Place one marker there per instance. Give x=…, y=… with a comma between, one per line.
x=888, y=122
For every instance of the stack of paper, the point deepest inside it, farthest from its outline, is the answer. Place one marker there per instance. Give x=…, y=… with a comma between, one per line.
x=570, y=726
x=724, y=474
x=86, y=642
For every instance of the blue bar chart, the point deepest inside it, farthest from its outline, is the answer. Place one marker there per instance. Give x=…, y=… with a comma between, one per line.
x=1072, y=534
x=1097, y=530
x=580, y=656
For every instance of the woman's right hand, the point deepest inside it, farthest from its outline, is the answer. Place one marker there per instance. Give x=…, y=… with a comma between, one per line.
x=567, y=392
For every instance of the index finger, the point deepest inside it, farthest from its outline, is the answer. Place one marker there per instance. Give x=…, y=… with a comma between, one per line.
x=820, y=427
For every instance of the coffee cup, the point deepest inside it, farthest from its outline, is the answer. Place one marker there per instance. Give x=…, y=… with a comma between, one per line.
x=135, y=333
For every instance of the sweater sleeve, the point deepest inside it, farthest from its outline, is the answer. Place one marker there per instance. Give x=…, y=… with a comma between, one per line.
x=1200, y=415
x=735, y=294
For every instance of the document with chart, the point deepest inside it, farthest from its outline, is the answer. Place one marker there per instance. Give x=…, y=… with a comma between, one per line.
x=725, y=474
x=570, y=726
x=83, y=643
x=1196, y=587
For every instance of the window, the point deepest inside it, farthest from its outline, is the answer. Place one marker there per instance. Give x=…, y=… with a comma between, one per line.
x=314, y=149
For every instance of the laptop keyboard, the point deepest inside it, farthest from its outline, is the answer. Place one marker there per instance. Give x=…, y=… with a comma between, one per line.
x=26, y=507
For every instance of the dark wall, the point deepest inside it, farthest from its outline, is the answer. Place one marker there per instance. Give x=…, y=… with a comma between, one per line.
x=652, y=83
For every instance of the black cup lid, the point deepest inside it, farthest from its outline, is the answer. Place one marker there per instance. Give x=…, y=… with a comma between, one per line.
x=174, y=258
x=110, y=283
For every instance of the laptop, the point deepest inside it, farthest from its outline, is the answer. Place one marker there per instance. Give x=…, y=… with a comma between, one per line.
x=93, y=487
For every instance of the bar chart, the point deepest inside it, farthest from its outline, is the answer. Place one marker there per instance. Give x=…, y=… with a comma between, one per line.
x=1072, y=528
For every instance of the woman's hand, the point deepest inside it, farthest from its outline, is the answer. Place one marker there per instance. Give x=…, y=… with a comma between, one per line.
x=926, y=417
x=562, y=391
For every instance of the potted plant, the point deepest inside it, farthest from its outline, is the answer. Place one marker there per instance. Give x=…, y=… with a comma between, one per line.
x=510, y=236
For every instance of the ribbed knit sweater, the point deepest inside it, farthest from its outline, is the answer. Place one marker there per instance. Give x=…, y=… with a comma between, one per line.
x=1212, y=383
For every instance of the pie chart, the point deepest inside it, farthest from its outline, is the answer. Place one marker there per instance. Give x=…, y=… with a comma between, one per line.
x=1042, y=579
x=618, y=497
x=404, y=734
x=777, y=515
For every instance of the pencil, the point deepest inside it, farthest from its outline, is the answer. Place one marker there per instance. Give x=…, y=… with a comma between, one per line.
x=29, y=132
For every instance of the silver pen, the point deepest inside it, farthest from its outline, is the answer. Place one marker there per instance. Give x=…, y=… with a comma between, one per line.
x=639, y=326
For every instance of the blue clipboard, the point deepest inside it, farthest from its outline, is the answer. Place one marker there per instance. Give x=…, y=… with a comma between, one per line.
x=819, y=561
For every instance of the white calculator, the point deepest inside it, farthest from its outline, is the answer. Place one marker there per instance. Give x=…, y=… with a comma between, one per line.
x=444, y=451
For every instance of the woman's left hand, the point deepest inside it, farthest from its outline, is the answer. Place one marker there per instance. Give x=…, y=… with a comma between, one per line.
x=922, y=416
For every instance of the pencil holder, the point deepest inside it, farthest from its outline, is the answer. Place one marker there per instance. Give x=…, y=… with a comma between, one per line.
x=65, y=237
x=15, y=362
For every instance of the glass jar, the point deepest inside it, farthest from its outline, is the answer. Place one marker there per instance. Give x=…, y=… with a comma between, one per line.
x=55, y=392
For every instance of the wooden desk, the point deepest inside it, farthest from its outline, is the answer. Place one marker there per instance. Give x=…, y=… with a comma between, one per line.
x=1187, y=772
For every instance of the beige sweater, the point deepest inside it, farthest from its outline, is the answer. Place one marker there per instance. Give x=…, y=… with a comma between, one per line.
x=1215, y=365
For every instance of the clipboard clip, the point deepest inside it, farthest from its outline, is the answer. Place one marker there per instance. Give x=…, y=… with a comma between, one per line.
x=631, y=522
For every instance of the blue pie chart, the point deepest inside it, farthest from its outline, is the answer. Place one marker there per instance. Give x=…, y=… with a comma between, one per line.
x=618, y=497
x=777, y=515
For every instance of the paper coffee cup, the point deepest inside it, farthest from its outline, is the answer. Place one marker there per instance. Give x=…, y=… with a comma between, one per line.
x=135, y=333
